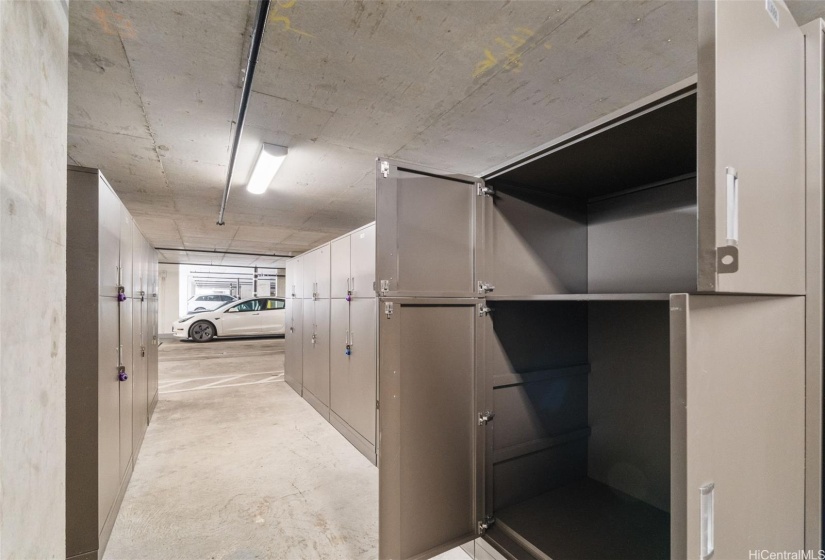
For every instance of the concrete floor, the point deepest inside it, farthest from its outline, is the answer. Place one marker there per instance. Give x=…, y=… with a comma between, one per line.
x=235, y=465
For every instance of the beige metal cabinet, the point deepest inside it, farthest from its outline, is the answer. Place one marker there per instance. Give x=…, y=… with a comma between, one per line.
x=331, y=343
x=111, y=371
x=316, y=347
x=589, y=361
x=293, y=352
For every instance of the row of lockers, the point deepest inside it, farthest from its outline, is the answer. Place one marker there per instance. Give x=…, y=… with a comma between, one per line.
x=341, y=268
x=331, y=342
x=111, y=357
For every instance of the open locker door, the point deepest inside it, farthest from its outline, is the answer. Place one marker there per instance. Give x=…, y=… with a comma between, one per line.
x=751, y=138
x=430, y=441
x=737, y=425
x=426, y=232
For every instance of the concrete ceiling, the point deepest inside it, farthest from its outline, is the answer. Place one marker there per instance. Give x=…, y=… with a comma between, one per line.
x=456, y=85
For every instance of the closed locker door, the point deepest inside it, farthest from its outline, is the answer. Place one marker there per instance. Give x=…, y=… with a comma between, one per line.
x=308, y=274
x=310, y=361
x=340, y=377
x=737, y=425
x=140, y=272
x=297, y=285
x=108, y=428
x=322, y=271
x=340, y=268
x=127, y=385
x=426, y=231
x=430, y=452
x=362, y=366
x=126, y=251
x=108, y=240
x=751, y=167
x=293, y=359
x=362, y=259
x=152, y=376
x=322, y=349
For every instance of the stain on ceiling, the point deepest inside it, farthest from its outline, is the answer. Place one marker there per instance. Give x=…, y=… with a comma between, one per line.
x=455, y=85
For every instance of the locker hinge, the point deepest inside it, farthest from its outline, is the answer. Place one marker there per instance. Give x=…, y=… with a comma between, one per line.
x=484, y=417
x=484, y=190
x=388, y=309
x=485, y=524
x=483, y=310
x=377, y=405
x=385, y=169
x=484, y=287
x=385, y=285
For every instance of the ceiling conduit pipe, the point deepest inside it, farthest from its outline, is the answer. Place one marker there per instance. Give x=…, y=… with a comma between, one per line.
x=255, y=46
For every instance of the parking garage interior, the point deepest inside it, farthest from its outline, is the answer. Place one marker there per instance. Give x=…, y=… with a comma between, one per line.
x=240, y=219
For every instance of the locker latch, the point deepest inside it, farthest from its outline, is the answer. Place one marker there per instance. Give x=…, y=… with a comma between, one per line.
x=142, y=351
x=385, y=285
x=314, y=338
x=484, y=190
x=388, y=309
x=483, y=310
x=385, y=169
x=485, y=524
x=484, y=287
x=484, y=417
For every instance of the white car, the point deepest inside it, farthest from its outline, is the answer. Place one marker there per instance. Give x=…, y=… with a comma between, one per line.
x=247, y=317
x=196, y=304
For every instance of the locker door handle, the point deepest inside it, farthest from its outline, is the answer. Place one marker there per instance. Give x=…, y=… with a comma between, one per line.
x=732, y=203
x=706, y=546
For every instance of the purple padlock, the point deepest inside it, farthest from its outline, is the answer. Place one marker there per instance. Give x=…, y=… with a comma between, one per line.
x=121, y=373
x=349, y=297
x=121, y=293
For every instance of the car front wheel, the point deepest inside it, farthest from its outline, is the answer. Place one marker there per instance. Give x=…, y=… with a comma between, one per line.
x=202, y=331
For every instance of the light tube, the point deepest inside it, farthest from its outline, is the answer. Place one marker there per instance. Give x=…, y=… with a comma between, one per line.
x=269, y=161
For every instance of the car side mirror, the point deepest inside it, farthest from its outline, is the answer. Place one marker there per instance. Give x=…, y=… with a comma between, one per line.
x=232, y=310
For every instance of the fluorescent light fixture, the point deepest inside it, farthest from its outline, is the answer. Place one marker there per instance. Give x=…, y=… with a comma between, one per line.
x=269, y=161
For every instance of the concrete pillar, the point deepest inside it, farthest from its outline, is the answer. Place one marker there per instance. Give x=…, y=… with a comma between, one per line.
x=33, y=122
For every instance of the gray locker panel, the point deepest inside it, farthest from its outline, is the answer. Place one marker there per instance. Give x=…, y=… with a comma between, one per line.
x=316, y=349
x=126, y=250
x=534, y=245
x=152, y=376
x=126, y=388
x=140, y=374
x=430, y=441
x=109, y=239
x=362, y=262
x=815, y=161
x=426, y=232
x=82, y=362
x=362, y=367
x=340, y=267
x=308, y=270
x=744, y=374
x=629, y=398
x=340, y=377
x=293, y=358
x=108, y=462
x=751, y=111
x=643, y=241
x=294, y=281
x=322, y=271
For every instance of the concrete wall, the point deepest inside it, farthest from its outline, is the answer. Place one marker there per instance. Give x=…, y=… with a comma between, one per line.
x=33, y=116
x=168, y=297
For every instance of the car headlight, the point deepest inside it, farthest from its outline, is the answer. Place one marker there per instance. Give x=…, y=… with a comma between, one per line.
x=184, y=319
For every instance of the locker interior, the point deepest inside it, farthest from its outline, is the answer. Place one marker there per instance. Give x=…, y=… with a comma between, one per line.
x=612, y=210
x=581, y=440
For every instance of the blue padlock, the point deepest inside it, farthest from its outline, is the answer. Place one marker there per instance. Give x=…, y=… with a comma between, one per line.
x=348, y=351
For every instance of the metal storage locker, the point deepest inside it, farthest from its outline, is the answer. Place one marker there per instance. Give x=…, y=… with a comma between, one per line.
x=293, y=341
x=560, y=339
x=362, y=262
x=340, y=279
x=294, y=280
x=140, y=372
x=316, y=354
x=308, y=271
x=322, y=271
x=104, y=251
